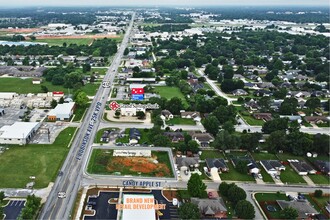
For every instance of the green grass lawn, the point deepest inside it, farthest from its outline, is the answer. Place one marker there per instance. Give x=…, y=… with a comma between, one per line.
x=100, y=161
x=320, y=179
x=180, y=121
x=291, y=176
x=264, y=197
x=170, y=92
x=265, y=176
x=79, y=112
x=264, y=156
x=252, y=121
x=68, y=41
x=211, y=154
x=234, y=175
x=40, y=160
x=24, y=86
x=287, y=156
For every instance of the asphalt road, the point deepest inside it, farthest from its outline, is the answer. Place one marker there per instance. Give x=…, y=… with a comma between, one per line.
x=70, y=181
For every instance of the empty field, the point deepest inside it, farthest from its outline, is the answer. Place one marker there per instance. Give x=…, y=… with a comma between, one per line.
x=103, y=162
x=170, y=92
x=40, y=160
x=68, y=41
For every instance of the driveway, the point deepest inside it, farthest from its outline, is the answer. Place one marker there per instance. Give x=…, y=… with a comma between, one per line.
x=13, y=209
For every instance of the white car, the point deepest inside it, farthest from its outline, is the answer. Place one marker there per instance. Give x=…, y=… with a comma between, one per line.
x=259, y=176
x=61, y=195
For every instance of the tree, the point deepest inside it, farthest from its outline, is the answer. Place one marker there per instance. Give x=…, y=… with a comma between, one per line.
x=44, y=89
x=33, y=38
x=2, y=196
x=244, y=210
x=281, y=93
x=228, y=126
x=61, y=101
x=289, y=106
x=1, y=212
x=126, y=51
x=289, y=213
x=299, y=143
x=189, y=211
x=175, y=105
x=276, y=141
x=275, y=125
x=86, y=67
x=81, y=99
x=53, y=103
x=250, y=140
x=313, y=103
x=193, y=146
x=211, y=124
x=224, y=187
x=140, y=115
x=241, y=166
x=195, y=186
x=161, y=140
x=318, y=193
x=321, y=143
x=224, y=141
x=235, y=194
x=264, y=103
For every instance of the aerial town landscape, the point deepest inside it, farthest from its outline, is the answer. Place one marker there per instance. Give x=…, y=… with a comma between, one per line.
x=158, y=112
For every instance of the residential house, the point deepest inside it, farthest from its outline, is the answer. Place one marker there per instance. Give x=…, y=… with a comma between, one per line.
x=266, y=85
x=195, y=84
x=323, y=166
x=251, y=164
x=134, y=136
x=262, y=93
x=194, y=115
x=217, y=164
x=203, y=139
x=167, y=114
x=263, y=116
x=239, y=92
x=272, y=167
x=187, y=163
x=316, y=119
x=304, y=208
x=252, y=105
x=214, y=208
x=292, y=118
x=301, y=167
x=174, y=136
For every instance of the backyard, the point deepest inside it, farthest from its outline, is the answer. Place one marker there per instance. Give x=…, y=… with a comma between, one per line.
x=269, y=199
x=103, y=162
x=170, y=92
x=180, y=121
x=211, y=154
x=40, y=160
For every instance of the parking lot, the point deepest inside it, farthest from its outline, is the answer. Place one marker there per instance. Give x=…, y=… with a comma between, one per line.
x=47, y=133
x=104, y=210
x=14, y=208
x=11, y=115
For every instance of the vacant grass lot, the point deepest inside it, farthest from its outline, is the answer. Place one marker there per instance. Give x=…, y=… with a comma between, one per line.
x=234, y=175
x=263, y=156
x=68, y=41
x=79, y=112
x=180, y=121
x=320, y=179
x=170, y=92
x=103, y=162
x=252, y=121
x=40, y=160
x=291, y=176
x=211, y=154
x=24, y=86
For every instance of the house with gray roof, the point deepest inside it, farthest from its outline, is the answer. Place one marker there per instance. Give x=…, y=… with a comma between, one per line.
x=185, y=163
x=217, y=163
x=301, y=167
x=214, y=208
x=304, y=208
x=272, y=167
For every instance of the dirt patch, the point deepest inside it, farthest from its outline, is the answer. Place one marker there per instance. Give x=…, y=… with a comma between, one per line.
x=138, y=164
x=21, y=30
x=170, y=194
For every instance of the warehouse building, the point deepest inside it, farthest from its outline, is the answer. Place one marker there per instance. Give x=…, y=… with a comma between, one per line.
x=18, y=133
x=61, y=112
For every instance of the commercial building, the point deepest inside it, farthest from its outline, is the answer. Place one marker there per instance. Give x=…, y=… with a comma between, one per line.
x=18, y=133
x=61, y=112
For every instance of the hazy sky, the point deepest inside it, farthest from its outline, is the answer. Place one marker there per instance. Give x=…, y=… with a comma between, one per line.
x=19, y=3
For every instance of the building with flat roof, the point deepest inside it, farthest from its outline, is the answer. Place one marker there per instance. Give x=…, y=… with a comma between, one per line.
x=134, y=201
x=18, y=133
x=61, y=112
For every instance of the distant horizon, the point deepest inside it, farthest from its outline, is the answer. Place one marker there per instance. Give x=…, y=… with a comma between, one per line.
x=163, y=3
